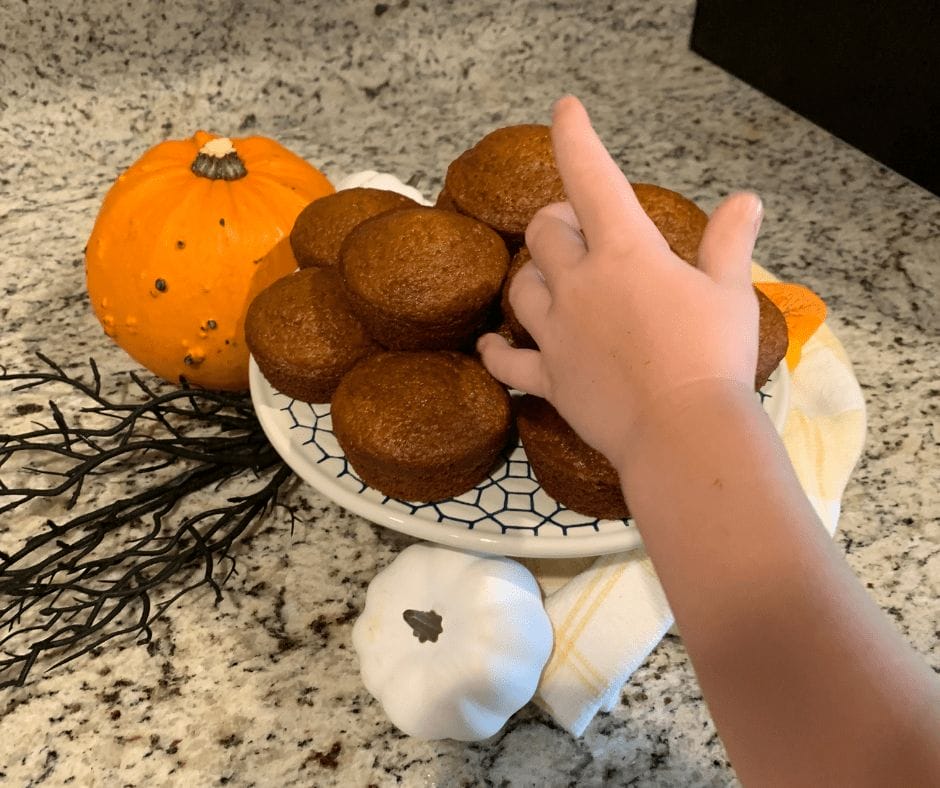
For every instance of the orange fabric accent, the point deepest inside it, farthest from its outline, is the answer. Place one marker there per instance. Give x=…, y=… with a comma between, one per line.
x=803, y=310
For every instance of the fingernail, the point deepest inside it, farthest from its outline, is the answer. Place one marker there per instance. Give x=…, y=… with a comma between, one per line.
x=758, y=213
x=558, y=102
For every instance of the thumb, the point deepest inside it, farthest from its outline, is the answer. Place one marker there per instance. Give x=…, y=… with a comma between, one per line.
x=518, y=368
x=728, y=243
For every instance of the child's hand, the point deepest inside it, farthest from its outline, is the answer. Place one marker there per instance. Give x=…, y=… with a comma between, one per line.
x=620, y=321
x=775, y=623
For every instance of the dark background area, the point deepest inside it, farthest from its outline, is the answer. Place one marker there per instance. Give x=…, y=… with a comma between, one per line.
x=867, y=72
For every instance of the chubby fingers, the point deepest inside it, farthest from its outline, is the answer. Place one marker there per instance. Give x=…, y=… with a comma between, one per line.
x=554, y=240
x=607, y=208
x=728, y=242
x=530, y=299
x=518, y=368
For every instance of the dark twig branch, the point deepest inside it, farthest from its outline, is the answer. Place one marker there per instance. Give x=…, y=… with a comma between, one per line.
x=112, y=571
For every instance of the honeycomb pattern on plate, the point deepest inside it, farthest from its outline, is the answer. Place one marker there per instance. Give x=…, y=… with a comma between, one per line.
x=509, y=500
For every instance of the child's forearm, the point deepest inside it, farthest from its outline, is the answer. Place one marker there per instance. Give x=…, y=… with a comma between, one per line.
x=768, y=609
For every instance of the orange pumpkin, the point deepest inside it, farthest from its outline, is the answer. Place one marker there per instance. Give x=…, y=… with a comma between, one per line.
x=184, y=240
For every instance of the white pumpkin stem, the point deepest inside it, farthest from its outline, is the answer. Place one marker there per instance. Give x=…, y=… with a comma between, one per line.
x=218, y=160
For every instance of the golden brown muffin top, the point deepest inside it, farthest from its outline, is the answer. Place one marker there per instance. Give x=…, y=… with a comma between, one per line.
x=424, y=263
x=506, y=177
x=305, y=317
x=773, y=339
x=681, y=221
x=322, y=226
x=419, y=408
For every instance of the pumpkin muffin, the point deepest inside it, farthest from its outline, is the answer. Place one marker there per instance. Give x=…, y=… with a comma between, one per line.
x=422, y=278
x=773, y=339
x=681, y=221
x=505, y=178
x=421, y=426
x=323, y=225
x=569, y=470
x=303, y=335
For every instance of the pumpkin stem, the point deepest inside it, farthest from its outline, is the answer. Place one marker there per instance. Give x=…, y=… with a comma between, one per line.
x=218, y=160
x=425, y=624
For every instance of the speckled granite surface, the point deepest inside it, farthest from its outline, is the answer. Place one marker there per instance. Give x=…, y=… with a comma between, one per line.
x=264, y=689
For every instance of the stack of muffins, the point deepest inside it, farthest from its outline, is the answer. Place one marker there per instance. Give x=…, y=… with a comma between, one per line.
x=382, y=316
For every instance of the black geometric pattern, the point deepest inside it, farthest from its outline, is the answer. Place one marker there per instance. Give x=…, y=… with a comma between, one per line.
x=509, y=500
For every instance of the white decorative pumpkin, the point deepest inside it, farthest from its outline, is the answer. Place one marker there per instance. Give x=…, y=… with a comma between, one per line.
x=370, y=179
x=452, y=643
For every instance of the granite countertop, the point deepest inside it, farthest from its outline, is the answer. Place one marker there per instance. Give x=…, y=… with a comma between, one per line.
x=263, y=689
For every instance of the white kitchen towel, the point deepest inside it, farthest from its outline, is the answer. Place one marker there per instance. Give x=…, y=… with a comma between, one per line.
x=609, y=617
